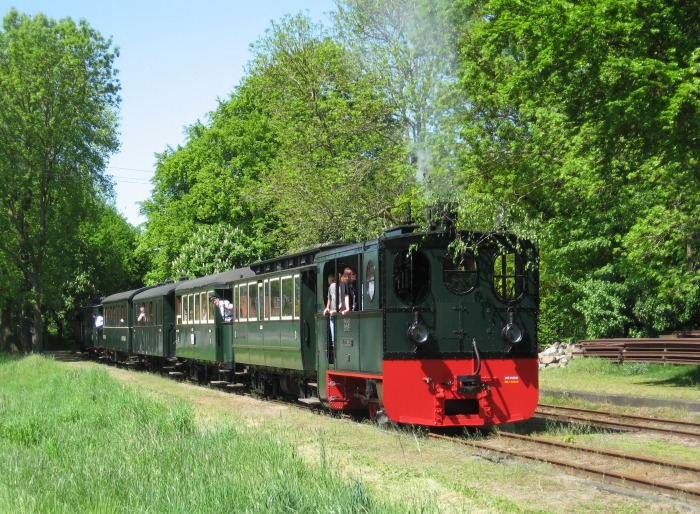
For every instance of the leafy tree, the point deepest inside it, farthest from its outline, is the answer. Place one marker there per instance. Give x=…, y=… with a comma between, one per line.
x=410, y=48
x=587, y=112
x=214, y=249
x=58, y=100
x=210, y=181
x=340, y=166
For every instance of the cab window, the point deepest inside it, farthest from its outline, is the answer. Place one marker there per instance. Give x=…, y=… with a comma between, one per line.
x=508, y=276
x=459, y=271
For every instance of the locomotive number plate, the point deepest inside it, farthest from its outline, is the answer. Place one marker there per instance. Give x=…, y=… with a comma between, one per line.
x=346, y=342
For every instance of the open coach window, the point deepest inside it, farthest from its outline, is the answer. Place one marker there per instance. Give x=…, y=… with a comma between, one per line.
x=411, y=277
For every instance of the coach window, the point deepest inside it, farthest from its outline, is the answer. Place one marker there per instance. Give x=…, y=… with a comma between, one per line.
x=275, y=305
x=243, y=302
x=287, y=298
x=252, y=301
x=297, y=296
x=151, y=314
x=202, y=314
x=411, y=277
x=508, y=276
x=178, y=310
x=459, y=271
x=208, y=307
x=261, y=300
x=185, y=309
x=369, y=278
x=122, y=317
x=266, y=289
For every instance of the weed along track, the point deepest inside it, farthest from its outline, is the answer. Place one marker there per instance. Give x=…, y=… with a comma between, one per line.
x=621, y=422
x=631, y=471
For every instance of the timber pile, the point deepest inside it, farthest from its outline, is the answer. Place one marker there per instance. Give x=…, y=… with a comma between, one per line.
x=684, y=350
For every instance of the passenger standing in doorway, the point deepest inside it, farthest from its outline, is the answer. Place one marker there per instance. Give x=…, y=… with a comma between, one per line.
x=225, y=307
x=353, y=291
x=332, y=304
x=348, y=292
x=99, y=324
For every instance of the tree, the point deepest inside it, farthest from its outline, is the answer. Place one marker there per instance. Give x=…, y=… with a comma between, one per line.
x=409, y=46
x=340, y=167
x=215, y=249
x=58, y=101
x=211, y=181
x=587, y=114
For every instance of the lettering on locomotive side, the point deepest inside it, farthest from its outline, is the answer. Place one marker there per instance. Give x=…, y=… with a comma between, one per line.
x=346, y=342
x=515, y=379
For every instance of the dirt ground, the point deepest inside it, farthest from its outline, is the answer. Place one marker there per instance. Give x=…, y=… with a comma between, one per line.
x=399, y=464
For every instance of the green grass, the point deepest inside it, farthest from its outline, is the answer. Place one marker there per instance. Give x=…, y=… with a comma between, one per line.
x=596, y=375
x=74, y=440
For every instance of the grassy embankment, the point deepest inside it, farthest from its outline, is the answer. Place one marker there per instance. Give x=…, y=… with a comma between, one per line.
x=635, y=379
x=75, y=440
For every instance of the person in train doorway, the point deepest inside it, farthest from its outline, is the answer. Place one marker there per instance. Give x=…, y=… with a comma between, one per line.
x=99, y=324
x=331, y=306
x=225, y=307
x=348, y=291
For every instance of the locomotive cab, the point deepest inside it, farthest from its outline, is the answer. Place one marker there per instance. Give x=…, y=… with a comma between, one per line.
x=441, y=336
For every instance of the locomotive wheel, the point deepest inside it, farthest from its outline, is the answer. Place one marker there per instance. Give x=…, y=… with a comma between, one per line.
x=373, y=410
x=378, y=414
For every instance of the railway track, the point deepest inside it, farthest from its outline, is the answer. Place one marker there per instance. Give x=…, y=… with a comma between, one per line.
x=681, y=481
x=622, y=422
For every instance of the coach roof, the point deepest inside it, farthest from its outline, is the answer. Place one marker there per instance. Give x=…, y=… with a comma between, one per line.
x=217, y=280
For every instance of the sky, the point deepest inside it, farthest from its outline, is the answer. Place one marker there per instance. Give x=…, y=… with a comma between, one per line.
x=177, y=59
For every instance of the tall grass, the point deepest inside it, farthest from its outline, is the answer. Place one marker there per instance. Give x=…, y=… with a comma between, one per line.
x=77, y=441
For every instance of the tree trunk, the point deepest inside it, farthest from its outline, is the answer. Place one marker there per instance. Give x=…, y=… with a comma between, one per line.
x=38, y=330
x=25, y=330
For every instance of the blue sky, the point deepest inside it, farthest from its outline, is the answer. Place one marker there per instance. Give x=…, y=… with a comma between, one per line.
x=176, y=59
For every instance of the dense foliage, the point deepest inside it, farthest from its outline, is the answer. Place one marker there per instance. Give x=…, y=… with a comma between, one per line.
x=586, y=116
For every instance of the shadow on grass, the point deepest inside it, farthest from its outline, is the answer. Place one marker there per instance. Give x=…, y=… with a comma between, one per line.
x=687, y=376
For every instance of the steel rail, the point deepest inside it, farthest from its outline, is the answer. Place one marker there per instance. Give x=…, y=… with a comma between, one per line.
x=619, y=415
x=609, y=453
x=604, y=474
x=616, y=424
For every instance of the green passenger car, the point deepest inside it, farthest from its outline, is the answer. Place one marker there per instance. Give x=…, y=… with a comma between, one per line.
x=275, y=333
x=203, y=338
x=118, y=324
x=153, y=312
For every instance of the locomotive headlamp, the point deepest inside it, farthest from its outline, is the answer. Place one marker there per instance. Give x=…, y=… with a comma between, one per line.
x=417, y=331
x=512, y=332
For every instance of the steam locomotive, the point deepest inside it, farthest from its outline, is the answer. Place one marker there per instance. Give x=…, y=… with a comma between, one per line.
x=442, y=331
